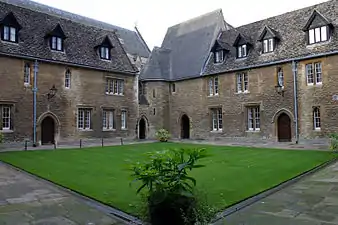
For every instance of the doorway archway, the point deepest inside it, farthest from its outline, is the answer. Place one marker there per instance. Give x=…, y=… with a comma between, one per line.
x=284, y=128
x=47, y=131
x=185, y=127
x=142, y=129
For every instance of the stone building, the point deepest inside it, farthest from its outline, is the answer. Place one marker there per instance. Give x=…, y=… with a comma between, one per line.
x=84, y=74
x=273, y=79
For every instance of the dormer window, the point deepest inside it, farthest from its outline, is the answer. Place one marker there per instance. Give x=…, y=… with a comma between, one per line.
x=242, y=45
x=219, y=56
x=56, y=43
x=10, y=28
x=318, y=34
x=269, y=39
x=104, y=48
x=56, y=38
x=318, y=28
x=268, y=45
x=242, y=51
x=104, y=53
x=9, y=34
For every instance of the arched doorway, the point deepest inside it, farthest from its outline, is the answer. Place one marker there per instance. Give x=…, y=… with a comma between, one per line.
x=47, y=131
x=142, y=129
x=284, y=128
x=185, y=127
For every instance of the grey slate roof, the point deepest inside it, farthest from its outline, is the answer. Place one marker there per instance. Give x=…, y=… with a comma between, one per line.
x=133, y=42
x=185, y=48
x=292, y=43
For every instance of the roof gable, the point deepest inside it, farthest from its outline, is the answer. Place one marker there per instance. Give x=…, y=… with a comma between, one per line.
x=268, y=32
x=10, y=20
x=57, y=32
x=106, y=42
x=241, y=40
x=316, y=19
x=220, y=45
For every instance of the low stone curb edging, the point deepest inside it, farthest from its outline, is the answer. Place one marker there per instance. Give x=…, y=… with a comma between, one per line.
x=255, y=198
x=109, y=210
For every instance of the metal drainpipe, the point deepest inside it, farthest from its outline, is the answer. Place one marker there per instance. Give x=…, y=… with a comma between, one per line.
x=35, y=90
x=295, y=96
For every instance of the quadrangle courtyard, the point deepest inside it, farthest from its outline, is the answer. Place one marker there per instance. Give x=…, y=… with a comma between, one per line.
x=231, y=173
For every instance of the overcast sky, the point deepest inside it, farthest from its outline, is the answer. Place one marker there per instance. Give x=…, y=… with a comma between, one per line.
x=154, y=17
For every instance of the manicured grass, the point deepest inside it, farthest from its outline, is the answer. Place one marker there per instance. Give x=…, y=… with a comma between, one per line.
x=231, y=173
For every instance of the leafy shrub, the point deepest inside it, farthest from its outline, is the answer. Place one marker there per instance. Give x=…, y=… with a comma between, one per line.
x=170, y=196
x=162, y=135
x=1, y=137
x=333, y=141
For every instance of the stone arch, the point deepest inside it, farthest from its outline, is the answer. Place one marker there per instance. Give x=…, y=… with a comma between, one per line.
x=137, y=130
x=274, y=122
x=57, y=126
x=279, y=112
x=185, y=126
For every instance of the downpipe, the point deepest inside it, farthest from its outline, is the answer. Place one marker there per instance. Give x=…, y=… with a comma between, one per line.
x=35, y=90
x=295, y=98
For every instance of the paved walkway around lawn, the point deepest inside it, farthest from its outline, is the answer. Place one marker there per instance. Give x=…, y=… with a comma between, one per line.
x=25, y=200
x=311, y=201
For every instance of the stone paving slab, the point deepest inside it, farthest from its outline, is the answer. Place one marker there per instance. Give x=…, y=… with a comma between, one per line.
x=25, y=200
x=312, y=201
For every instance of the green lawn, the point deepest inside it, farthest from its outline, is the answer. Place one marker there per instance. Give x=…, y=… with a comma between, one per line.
x=231, y=173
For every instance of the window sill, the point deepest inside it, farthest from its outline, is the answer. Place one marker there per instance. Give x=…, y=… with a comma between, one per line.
x=315, y=84
x=124, y=129
x=10, y=42
x=108, y=130
x=6, y=131
x=253, y=131
x=57, y=51
x=26, y=84
x=85, y=130
x=317, y=129
x=242, y=92
x=216, y=131
x=67, y=88
x=112, y=94
x=215, y=95
x=106, y=60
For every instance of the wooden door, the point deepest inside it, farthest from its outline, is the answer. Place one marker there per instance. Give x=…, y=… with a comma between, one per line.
x=47, y=131
x=284, y=128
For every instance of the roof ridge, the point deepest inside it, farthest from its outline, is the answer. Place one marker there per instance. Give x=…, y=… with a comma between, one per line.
x=285, y=13
x=218, y=10
x=56, y=12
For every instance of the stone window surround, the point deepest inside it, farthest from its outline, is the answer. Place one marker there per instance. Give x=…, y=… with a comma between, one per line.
x=124, y=119
x=85, y=108
x=116, y=82
x=213, y=86
x=242, y=75
x=217, y=119
x=245, y=107
x=280, y=76
x=110, y=110
x=68, y=79
x=27, y=70
x=316, y=73
x=11, y=104
x=316, y=118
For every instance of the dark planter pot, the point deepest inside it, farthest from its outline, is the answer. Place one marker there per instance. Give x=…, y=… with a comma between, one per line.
x=169, y=211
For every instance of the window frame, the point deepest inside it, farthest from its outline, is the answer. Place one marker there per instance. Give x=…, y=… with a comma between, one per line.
x=213, y=86
x=253, y=118
x=280, y=77
x=242, y=51
x=316, y=118
x=8, y=37
x=105, y=53
x=242, y=79
x=68, y=78
x=56, y=43
x=219, y=56
x=314, y=73
x=270, y=47
x=27, y=74
x=8, y=117
x=317, y=33
x=124, y=119
x=217, y=119
x=108, y=120
x=114, y=86
x=85, y=114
